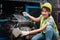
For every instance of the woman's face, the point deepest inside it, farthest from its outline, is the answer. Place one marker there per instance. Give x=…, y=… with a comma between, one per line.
x=44, y=13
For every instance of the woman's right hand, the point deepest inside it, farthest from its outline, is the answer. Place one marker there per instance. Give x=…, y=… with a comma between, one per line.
x=25, y=13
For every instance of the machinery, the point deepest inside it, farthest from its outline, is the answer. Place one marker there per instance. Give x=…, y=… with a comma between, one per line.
x=19, y=21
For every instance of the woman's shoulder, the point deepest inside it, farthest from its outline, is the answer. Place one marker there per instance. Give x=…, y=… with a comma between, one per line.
x=51, y=18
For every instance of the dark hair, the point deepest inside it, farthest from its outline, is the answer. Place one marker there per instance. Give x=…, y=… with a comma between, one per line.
x=47, y=9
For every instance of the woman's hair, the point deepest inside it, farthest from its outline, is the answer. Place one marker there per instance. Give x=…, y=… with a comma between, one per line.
x=47, y=9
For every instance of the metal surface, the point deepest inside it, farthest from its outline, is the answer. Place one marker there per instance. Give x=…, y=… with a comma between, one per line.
x=21, y=20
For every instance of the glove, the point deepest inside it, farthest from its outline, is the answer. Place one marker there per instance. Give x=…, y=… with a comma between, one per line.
x=24, y=33
x=25, y=13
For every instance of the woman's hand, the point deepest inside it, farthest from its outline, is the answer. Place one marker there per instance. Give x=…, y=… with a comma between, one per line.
x=25, y=13
x=24, y=33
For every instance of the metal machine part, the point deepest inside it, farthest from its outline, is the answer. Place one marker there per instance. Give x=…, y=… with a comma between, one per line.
x=19, y=21
x=22, y=23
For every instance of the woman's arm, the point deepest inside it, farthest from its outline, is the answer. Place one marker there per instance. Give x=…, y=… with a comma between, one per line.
x=31, y=17
x=38, y=30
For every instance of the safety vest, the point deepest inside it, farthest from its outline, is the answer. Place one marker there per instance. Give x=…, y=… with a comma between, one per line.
x=43, y=22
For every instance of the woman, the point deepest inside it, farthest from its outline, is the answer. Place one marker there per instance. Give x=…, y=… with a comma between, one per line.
x=48, y=29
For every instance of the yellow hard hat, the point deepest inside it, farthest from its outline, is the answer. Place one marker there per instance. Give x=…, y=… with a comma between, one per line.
x=48, y=5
